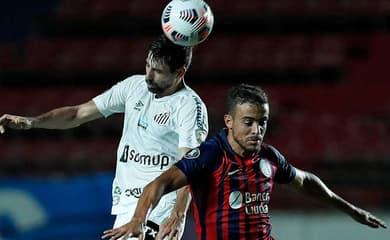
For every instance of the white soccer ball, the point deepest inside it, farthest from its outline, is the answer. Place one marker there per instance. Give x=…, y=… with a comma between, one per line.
x=187, y=22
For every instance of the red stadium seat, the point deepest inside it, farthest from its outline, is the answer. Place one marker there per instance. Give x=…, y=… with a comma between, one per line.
x=42, y=54
x=33, y=101
x=94, y=154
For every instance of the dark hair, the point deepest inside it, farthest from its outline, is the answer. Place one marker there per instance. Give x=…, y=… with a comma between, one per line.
x=245, y=93
x=173, y=55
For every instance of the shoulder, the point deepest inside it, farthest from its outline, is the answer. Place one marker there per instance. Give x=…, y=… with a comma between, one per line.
x=213, y=149
x=189, y=97
x=133, y=81
x=201, y=160
x=206, y=150
x=213, y=144
x=272, y=153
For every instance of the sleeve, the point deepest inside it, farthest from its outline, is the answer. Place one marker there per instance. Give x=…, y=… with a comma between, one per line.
x=192, y=123
x=114, y=99
x=285, y=172
x=201, y=161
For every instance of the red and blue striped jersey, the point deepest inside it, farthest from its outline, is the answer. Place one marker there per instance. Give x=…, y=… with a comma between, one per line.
x=231, y=194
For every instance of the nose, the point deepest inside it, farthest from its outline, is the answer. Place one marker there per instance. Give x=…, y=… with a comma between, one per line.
x=257, y=129
x=149, y=74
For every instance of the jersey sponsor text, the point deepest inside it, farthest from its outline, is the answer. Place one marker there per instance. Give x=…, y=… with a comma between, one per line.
x=161, y=160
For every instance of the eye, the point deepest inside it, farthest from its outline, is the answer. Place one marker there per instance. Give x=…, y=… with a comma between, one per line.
x=248, y=122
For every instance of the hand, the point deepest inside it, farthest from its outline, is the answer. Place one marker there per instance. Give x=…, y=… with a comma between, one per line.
x=171, y=229
x=130, y=229
x=15, y=122
x=367, y=218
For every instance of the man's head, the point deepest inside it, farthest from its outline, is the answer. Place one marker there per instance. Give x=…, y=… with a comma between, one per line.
x=247, y=118
x=166, y=65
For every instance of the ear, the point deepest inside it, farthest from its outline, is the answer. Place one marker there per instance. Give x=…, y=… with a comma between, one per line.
x=228, y=121
x=181, y=72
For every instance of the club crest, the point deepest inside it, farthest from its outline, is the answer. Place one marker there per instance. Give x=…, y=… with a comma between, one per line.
x=265, y=168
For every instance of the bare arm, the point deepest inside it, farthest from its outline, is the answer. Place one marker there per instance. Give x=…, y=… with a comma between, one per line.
x=169, y=181
x=59, y=118
x=310, y=184
x=174, y=225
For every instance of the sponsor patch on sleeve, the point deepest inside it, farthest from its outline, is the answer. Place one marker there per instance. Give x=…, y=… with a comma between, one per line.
x=192, y=154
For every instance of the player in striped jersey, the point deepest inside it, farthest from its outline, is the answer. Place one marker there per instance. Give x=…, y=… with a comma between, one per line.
x=231, y=177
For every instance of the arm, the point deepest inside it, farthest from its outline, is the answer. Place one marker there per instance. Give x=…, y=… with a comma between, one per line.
x=310, y=184
x=174, y=225
x=169, y=181
x=59, y=118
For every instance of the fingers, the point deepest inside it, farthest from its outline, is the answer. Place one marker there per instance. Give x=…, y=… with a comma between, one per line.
x=3, y=122
x=375, y=222
x=114, y=234
x=170, y=232
x=370, y=220
x=141, y=237
x=124, y=232
x=108, y=234
x=15, y=122
x=165, y=229
x=173, y=235
x=162, y=234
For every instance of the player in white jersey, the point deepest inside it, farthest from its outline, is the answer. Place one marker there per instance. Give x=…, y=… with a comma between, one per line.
x=163, y=119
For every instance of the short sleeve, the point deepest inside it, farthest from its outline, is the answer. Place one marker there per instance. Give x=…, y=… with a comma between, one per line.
x=285, y=171
x=200, y=161
x=114, y=99
x=192, y=122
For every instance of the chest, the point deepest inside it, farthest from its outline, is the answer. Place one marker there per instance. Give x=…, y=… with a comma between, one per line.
x=147, y=114
x=253, y=175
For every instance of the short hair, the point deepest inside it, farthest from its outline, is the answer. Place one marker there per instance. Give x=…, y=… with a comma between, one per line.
x=175, y=56
x=245, y=93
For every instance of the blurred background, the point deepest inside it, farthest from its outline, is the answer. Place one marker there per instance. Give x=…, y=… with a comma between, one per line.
x=323, y=63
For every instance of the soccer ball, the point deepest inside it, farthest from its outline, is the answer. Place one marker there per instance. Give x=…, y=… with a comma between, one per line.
x=187, y=22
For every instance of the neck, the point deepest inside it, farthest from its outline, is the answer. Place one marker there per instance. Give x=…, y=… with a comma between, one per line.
x=175, y=88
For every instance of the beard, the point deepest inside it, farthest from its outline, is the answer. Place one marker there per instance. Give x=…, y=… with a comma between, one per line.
x=248, y=148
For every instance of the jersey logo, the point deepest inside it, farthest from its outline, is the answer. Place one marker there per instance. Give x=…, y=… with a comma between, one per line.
x=138, y=105
x=142, y=124
x=235, y=199
x=233, y=172
x=151, y=230
x=135, y=192
x=192, y=154
x=265, y=168
x=161, y=118
x=155, y=160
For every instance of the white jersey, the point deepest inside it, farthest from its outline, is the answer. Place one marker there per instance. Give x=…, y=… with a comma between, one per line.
x=154, y=129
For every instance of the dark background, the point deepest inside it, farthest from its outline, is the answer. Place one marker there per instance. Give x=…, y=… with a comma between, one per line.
x=324, y=65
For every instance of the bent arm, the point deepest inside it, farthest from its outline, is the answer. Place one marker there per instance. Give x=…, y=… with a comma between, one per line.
x=310, y=184
x=59, y=118
x=170, y=180
x=183, y=198
x=174, y=225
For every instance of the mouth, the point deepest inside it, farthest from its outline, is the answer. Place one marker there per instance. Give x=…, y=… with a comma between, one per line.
x=254, y=140
x=150, y=84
